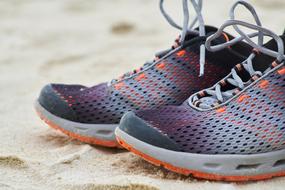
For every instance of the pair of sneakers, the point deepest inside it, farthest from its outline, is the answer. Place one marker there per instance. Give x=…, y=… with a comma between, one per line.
x=234, y=130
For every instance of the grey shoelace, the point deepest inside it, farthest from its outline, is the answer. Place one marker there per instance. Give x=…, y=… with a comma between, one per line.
x=215, y=95
x=187, y=28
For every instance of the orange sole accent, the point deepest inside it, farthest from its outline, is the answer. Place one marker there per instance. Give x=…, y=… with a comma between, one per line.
x=84, y=139
x=197, y=174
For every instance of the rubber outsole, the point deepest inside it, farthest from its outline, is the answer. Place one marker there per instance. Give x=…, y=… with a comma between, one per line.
x=196, y=174
x=85, y=139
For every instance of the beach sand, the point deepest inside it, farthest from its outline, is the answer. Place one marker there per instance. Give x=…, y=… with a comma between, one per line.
x=87, y=42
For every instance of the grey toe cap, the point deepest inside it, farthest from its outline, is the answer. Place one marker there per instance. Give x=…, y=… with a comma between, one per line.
x=139, y=129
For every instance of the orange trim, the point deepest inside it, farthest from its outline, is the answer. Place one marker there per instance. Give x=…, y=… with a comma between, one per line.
x=263, y=84
x=195, y=173
x=281, y=71
x=221, y=110
x=118, y=86
x=181, y=53
x=242, y=98
x=160, y=66
x=141, y=76
x=239, y=67
x=89, y=140
x=226, y=37
x=274, y=64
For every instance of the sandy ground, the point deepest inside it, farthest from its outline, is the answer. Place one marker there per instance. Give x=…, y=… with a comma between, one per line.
x=87, y=42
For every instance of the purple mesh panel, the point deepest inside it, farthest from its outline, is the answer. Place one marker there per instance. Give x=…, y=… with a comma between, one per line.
x=169, y=82
x=255, y=124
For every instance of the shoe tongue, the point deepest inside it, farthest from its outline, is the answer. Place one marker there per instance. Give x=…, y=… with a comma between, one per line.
x=208, y=30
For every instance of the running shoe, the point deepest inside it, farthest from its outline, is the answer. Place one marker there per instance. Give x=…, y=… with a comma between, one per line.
x=91, y=114
x=234, y=131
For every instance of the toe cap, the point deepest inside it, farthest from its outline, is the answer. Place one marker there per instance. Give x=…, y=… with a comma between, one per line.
x=139, y=129
x=52, y=102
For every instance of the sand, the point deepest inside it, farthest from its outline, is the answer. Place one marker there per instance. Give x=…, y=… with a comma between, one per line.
x=86, y=42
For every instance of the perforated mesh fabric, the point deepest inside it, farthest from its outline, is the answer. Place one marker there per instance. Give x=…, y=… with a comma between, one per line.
x=168, y=82
x=252, y=123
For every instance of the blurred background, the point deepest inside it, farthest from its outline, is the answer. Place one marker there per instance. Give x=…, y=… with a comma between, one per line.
x=79, y=41
x=87, y=42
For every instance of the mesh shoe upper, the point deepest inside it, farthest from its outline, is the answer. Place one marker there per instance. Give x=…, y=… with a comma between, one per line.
x=250, y=119
x=254, y=122
x=168, y=81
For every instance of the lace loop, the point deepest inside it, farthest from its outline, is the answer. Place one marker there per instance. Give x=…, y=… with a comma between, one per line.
x=266, y=32
x=186, y=29
x=197, y=5
x=215, y=94
x=254, y=14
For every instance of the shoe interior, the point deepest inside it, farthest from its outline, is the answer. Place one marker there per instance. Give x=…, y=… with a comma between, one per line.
x=260, y=63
